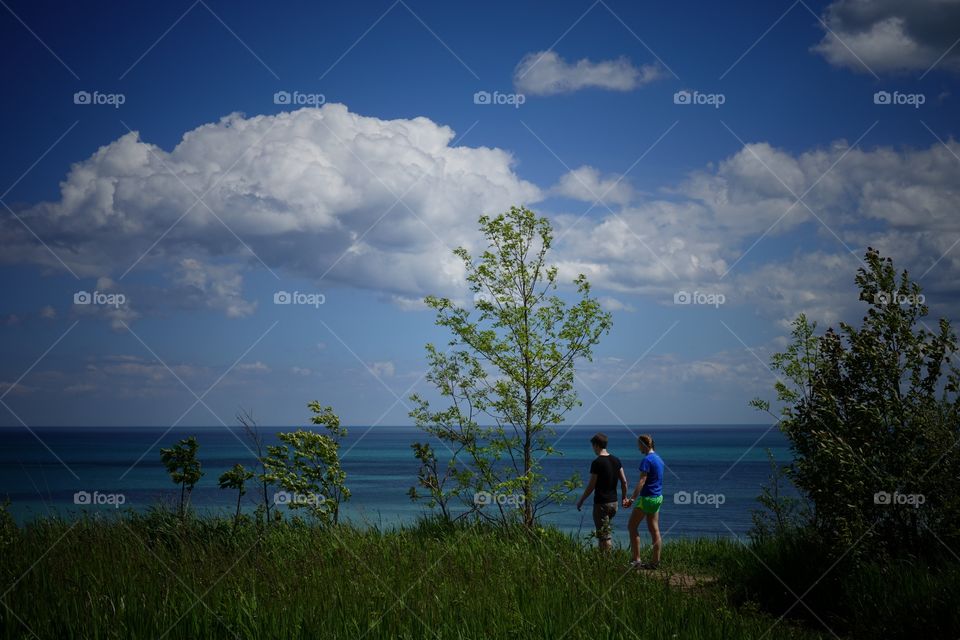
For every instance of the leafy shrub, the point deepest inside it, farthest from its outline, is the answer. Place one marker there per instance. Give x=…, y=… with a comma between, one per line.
x=873, y=416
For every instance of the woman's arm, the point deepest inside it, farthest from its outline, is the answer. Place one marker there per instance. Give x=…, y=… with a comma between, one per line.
x=636, y=492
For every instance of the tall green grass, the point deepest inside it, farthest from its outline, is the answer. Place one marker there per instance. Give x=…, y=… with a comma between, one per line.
x=150, y=576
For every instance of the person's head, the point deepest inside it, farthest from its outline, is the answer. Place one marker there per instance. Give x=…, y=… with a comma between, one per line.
x=645, y=443
x=599, y=442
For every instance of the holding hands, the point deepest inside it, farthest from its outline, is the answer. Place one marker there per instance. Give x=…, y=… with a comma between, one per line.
x=627, y=502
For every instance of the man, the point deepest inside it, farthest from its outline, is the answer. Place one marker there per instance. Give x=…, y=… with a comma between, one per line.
x=605, y=471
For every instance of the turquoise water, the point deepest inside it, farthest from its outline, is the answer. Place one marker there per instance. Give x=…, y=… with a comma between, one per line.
x=721, y=468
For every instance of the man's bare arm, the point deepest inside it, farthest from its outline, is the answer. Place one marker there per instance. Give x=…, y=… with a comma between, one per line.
x=586, y=492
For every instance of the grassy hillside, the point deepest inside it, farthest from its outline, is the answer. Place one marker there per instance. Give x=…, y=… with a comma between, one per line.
x=149, y=577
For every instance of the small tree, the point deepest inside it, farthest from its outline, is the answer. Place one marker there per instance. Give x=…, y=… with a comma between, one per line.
x=512, y=364
x=252, y=432
x=434, y=479
x=873, y=418
x=306, y=466
x=236, y=478
x=779, y=512
x=184, y=468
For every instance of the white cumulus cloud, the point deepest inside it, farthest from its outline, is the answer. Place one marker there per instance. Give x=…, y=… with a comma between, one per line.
x=891, y=35
x=588, y=185
x=545, y=73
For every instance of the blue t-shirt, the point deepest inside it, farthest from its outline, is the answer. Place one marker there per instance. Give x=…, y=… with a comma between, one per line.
x=652, y=465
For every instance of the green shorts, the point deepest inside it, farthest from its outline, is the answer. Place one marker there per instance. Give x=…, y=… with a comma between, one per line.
x=648, y=504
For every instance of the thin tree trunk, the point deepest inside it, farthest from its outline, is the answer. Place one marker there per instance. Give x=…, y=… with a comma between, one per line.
x=527, y=464
x=266, y=498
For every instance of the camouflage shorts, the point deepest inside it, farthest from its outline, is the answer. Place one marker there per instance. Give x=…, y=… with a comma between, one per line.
x=603, y=513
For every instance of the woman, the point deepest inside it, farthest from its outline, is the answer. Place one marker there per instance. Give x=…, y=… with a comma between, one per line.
x=649, y=490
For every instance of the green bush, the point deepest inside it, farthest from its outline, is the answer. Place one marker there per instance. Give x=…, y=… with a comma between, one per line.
x=872, y=415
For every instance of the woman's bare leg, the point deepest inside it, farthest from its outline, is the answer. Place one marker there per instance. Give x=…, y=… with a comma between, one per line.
x=653, y=525
x=633, y=527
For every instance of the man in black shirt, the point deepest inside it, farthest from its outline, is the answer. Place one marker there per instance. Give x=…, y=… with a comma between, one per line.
x=605, y=471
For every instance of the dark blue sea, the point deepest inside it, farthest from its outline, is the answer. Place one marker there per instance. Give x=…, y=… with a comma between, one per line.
x=714, y=472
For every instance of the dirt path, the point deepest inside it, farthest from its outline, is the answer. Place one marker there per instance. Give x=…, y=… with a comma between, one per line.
x=682, y=581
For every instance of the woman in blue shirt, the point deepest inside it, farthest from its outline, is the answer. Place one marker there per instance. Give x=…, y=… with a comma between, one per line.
x=646, y=500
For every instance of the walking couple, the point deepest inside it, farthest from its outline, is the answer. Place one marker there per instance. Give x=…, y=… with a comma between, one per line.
x=605, y=473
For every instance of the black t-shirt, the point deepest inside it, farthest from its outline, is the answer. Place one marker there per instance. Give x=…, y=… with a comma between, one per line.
x=607, y=469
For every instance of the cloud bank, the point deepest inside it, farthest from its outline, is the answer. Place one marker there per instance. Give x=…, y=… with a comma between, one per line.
x=338, y=198
x=713, y=231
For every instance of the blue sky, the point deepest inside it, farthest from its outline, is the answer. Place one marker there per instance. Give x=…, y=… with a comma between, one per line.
x=361, y=200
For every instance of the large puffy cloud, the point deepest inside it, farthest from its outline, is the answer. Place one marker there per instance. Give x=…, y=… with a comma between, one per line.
x=312, y=193
x=545, y=73
x=891, y=35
